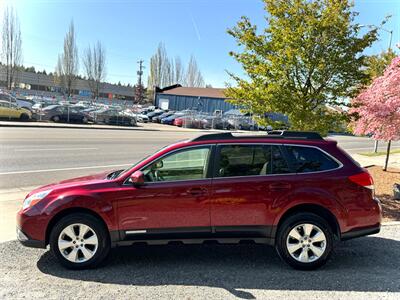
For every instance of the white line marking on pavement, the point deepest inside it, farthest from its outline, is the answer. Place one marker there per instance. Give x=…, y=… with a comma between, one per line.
x=62, y=169
x=53, y=149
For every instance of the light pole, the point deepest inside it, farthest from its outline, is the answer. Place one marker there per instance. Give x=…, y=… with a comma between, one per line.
x=383, y=29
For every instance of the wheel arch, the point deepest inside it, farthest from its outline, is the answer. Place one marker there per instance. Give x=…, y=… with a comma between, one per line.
x=68, y=211
x=311, y=208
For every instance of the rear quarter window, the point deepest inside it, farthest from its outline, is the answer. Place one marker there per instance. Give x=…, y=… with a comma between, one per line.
x=309, y=159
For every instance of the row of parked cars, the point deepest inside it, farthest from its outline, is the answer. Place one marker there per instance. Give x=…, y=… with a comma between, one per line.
x=231, y=119
x=47, y=109
x=58, y=110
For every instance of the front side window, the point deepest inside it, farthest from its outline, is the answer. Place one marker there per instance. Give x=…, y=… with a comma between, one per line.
x=188, y=164
x=251, y=160
x=308, y=159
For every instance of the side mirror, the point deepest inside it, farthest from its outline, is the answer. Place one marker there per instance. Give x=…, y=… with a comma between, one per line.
x=137, y=178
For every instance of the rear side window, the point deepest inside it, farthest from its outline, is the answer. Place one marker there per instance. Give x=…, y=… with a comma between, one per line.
x=250, y=160
x=308, y=159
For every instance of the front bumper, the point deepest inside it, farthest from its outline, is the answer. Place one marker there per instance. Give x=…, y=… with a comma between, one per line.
x=28, y=242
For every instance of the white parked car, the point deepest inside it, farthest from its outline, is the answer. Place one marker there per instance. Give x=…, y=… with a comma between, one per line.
x=20, y=102
x=141, y=118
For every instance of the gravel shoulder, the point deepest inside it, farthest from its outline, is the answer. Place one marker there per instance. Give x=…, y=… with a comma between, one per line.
x=365, y=268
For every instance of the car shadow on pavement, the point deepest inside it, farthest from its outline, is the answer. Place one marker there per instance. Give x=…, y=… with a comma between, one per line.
x=366, y=264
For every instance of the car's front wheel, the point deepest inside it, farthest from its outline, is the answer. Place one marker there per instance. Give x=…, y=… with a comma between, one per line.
x=80, y=241
x=304, y=241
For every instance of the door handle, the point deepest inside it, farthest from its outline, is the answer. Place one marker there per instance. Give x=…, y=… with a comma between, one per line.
x=279, y=186
x=197, y=191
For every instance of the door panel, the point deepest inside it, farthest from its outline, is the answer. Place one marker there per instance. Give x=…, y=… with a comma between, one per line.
x=4, y=112
x=165, y=205
x=247, y=201
x=248, y=179
x=172, y=196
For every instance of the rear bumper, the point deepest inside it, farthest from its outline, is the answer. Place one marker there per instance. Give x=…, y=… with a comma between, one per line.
x=359, y=232
x=25, y=240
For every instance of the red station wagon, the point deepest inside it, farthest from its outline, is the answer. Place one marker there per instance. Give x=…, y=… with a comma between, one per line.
x=292, y=190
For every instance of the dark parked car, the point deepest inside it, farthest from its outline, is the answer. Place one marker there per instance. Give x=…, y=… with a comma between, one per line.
x=170, y=120
x=60, y=113
x=292, y=190
x=212, y=122
x=154, y=113
x=113, y=117
x=158, y=119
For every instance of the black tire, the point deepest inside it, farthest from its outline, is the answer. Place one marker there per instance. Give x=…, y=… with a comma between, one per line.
x=24, y=117
x=55, y=119
x=103, y=247
x=85, y=120
x=291, y=223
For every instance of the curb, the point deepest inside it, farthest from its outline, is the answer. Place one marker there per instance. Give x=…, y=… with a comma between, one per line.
x=391, y=223
x=77, y=127
x=137, y=128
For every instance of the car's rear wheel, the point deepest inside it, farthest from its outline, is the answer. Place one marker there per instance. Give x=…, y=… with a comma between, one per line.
x=304, y=241
x=80, y=241
x=24, y=117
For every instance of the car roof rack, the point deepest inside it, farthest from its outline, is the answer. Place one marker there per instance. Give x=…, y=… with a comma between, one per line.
x=275, y=134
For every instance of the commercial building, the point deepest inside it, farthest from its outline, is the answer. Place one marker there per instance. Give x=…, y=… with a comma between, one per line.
x=176, y=97
x=208, y=100
x=46, y=85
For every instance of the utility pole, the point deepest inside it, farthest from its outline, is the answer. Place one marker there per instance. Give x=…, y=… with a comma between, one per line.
x=139, y=87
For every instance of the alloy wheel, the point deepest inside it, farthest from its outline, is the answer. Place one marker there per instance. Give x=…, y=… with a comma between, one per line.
x=78, y=243
x=306, y=242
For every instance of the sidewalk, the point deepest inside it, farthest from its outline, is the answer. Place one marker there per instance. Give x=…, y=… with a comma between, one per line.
x=363, y=160
x=141, y=126
x=10, y=203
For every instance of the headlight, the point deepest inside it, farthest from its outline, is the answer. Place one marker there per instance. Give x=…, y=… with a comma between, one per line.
x=35, y=198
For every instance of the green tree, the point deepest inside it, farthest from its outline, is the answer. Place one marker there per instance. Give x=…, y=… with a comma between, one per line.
x=376, y=64
x=308, y=57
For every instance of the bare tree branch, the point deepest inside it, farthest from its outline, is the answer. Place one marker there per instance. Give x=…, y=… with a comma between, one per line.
x=68, y=63
x=11, y=45
x=94, y=62
x=193, y=77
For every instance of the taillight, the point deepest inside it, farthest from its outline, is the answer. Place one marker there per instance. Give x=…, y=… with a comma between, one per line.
x=363, y=179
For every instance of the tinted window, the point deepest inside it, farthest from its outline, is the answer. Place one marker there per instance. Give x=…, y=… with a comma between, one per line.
x=278, y=162
x=248, y=160
x=184, y=165
x=307, y=159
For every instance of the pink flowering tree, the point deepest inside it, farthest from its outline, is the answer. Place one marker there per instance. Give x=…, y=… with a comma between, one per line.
x=378, y=107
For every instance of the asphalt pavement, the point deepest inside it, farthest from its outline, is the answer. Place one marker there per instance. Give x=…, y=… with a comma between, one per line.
x=38, y=156
x=365, y=268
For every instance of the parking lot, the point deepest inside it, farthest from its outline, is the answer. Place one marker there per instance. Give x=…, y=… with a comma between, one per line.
x=367, y=268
